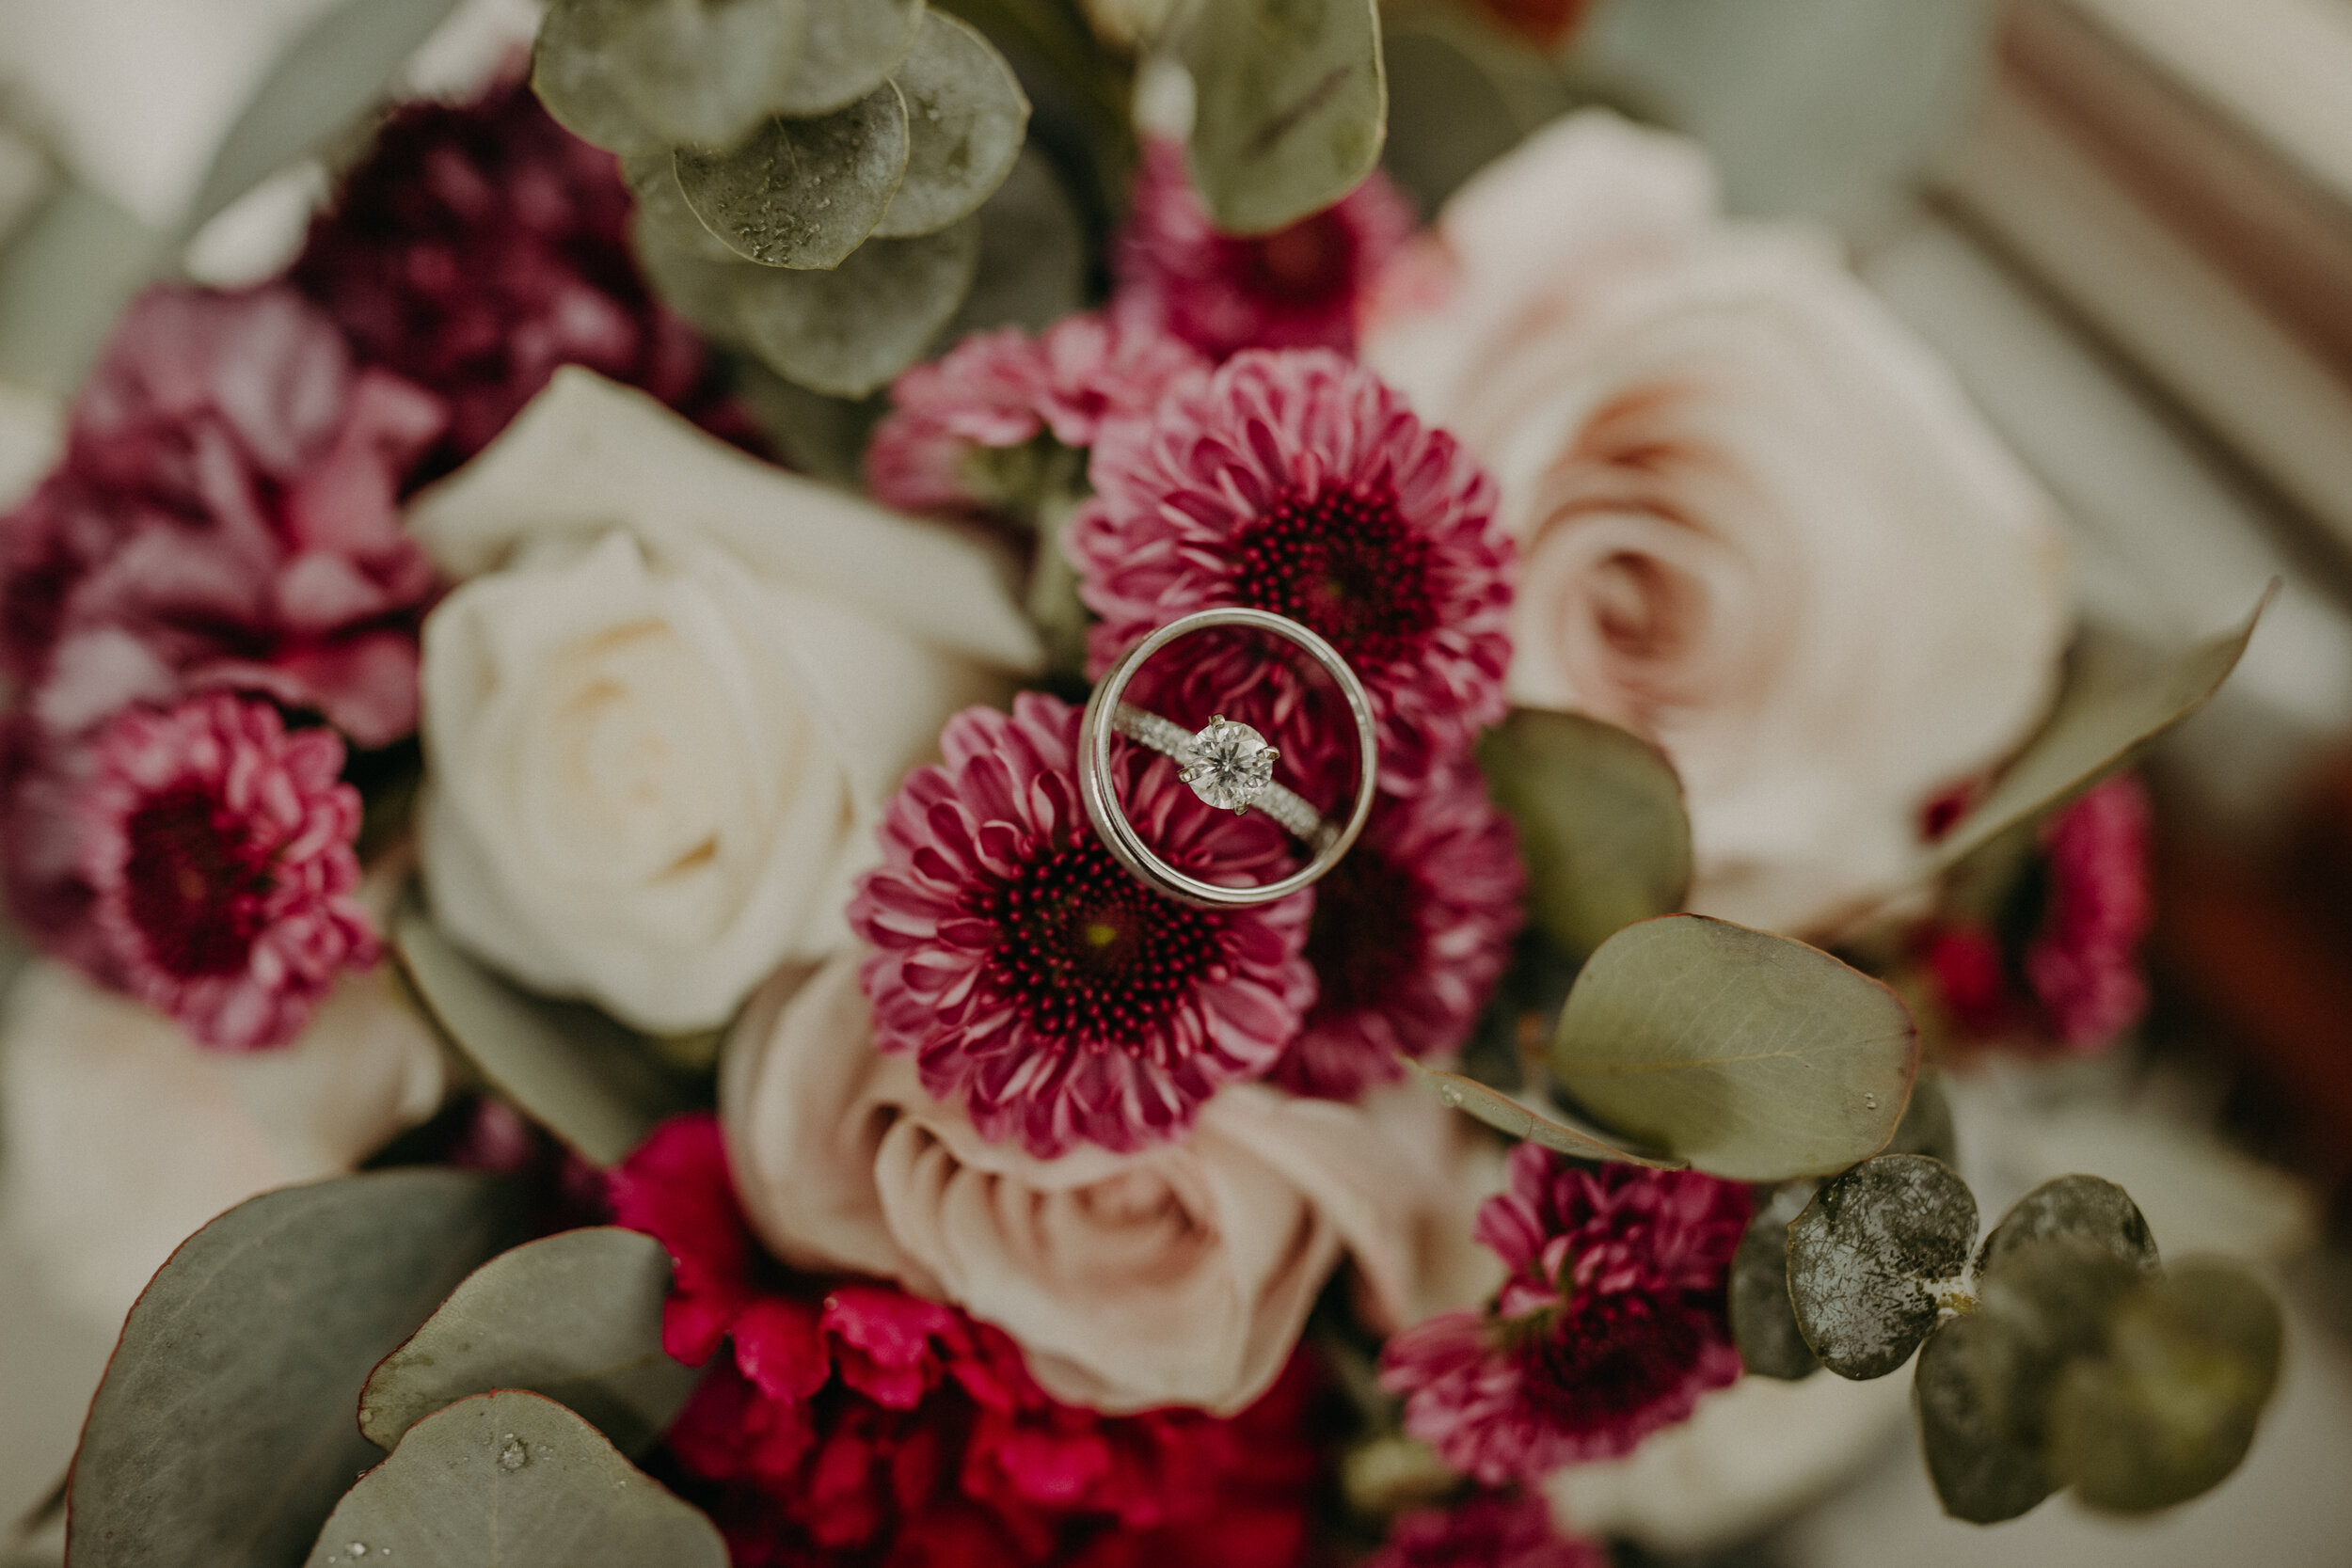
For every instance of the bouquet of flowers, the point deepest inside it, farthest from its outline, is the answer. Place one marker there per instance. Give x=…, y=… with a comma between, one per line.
x=1017, y=833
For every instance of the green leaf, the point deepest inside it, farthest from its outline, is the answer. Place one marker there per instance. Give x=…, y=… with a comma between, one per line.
x=64, y=277
x=1502, y=1113
x=575, y=1316
x=508, y=1479
x=1763, y=1320
x=698, y=287
x=1601, y=822
x=2170, y=1408
x=803, y=193
x=849, y=47
x=1927, y=1125
x=822, y=436
x=848, y=332
x=663, y=214
x=1033, y=256
x=1291, y=106
x=2116, y=700
x=1982, y=1473
x=2043, y=1305
x=1873, y=1256
x=334, y=72
x=223, y=1431
x=2083, y=1209
x=576, y=67
x=568, y=1067
x=1749, y=1055
x=1460, y=95
x=966, y=118
x=705, y=72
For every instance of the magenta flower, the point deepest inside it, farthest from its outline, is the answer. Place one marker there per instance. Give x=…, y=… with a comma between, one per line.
x=1611, y=1325
x=1410, y=934
x=1295, y=287
x=2084, y=965
x=224, y=517
x=1296, y=481
x=998, y=390
x=1032, y=978
x=218, y=848
x=1491, y=1531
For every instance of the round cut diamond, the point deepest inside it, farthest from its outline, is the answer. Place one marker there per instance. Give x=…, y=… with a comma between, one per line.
x=1229, y=765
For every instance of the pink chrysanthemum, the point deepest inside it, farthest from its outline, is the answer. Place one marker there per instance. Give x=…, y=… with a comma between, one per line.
x=1296, y=481
x=220, y=848
x=940, y=450
x=1034, y=980
x=1410, y=934
x=1611, y=1325
x=1491, y=1531
x=1294, y=288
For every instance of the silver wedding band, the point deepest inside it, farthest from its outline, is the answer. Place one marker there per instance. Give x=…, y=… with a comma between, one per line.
x=1106, y=716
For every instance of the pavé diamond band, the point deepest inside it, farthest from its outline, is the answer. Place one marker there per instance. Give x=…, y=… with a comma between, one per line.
x=1228, y=764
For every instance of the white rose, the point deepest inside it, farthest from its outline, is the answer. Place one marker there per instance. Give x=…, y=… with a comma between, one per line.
x=1181, y=1274
x=1758, y=521
x=663, y=714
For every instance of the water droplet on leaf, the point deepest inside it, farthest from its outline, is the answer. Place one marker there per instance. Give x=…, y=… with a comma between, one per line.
x=513, y=1455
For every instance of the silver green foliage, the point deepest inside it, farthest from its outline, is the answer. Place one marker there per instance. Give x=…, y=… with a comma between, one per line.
x=1291, y=106
x=1506, y=1114
x=966, y=117
x=1872, y=1257
x=1763, y=1320
x=848, y=332
x=803, y=193
x=2084, y=1209
x=574, y=69
x=850, y=46
x=705, y=72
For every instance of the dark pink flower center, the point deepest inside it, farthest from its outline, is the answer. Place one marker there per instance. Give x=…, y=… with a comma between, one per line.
x=196, y=884
x=1310, y=263
x=1606, y=1357
x=1343, y=562
x=1087, y=952
x=1364, y=942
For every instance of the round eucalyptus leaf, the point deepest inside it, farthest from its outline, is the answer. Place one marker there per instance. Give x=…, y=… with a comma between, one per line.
x=966, y=117
x=2082, y=1209
x=1749, y=1055
x=848, y=332
x=663, y=212
x=698, y=287
x=1291, y=106
x=1600, y=821
x=1927, y=1125
x=847, y=49
x=1506, y=1115
x=576, y=69
x=706, y=73
x=512, y=1478
x=222, y=1432
x=803, y=193
x=2043, y=1305
x=576, y=1315
x=1870, y=1258
x=1763, y=1320
x=1982, y=1473
x=2170, y=1408
x=1033, y=255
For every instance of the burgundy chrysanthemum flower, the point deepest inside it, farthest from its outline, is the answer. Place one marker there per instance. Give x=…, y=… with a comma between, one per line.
x=480, y=246
x=1294, y=288
x=224, y=516
x=1410, y=932
x=855, y=1423
x=1491, y=1531
x=999, y=391
x=1611, y=1325
x=1296, y=481
x=218, y=848
x=1032, y=978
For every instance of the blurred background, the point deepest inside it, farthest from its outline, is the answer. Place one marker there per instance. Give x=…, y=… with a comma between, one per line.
x=2126, y=224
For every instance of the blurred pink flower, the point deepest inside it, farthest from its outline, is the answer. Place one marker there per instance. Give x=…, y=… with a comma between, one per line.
x=1611, y=1325
x=2084, y=964
x=1294, y=288
x=1491, y=1531
x=1034, y=981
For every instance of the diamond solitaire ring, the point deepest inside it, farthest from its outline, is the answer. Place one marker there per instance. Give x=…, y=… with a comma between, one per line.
x=1228, y=764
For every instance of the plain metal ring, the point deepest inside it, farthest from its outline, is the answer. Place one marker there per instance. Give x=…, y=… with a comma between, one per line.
x=1119, y=835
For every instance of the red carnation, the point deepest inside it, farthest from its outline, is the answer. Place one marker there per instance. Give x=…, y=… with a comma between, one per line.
x=1491, y=1531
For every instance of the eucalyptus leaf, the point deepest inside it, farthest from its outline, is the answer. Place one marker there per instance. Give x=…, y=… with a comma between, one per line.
x=2116, y=700
x=706, y=73
x=1981, y=1472
x=2170, y=1408
x=1033, y=258
x=1460, y=95
x=1763, y=1320
x=507, y=1478
x=822, y=436
x=966, y=118
x=2084, y=1209
x=65, y=275
x=1600, y=821
x=333, y=71
x=1502, y=1113
x=1291, y=106
x=1749, y=1055
x=663, y=212
x=1927, y=1125
x=803, y=193
x=698, y=287
x=1873, y=1256
x=846, y=51
x=2043, y=1304
x=846, y=332
x=222, y=1432
x=576, y=67
x=576, y=1315
x=568, y=1068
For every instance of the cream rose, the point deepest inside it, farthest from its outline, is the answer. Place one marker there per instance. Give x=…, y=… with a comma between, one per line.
x=1177, y=1275
x=1759, y=523
x=663, y=713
